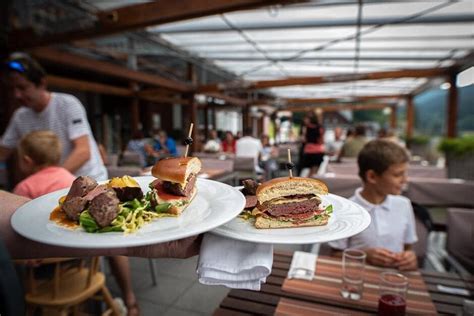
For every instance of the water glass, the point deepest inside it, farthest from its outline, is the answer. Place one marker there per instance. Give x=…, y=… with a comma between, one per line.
x=393, y=291
x=353, y=268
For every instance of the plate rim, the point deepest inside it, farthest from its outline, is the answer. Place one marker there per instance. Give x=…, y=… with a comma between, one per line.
x=191, y=231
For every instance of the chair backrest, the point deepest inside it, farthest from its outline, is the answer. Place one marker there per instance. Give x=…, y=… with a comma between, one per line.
x=244, y=164
x=130, y=158
x=212, y=163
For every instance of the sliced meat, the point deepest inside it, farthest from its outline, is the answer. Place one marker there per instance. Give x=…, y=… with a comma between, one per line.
x=81, y=186
x=250, y=187
x=292, y=208
x=176, y=189
x=74, y=206
x=104, y=208
x=250, y=201
x=95, y=192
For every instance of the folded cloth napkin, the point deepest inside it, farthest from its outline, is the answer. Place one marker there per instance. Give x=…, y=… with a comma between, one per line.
x=303, y=265
x=234, y=263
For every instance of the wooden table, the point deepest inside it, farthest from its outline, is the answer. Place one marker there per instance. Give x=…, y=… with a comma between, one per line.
x=274, y=300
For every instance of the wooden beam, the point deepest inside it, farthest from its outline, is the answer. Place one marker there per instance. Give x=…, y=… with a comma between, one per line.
x=80, y=62
x=228, y=99
x=142, y=15
x=164, y=99
x=339, y=107
x=88, y=86
x=410, y=116
x=393, y=117
x=292, y=81
x=295, y=101
x=452, y=109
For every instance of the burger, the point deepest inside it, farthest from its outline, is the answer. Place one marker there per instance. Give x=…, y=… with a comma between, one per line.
x=291, y=202
x=174, y=187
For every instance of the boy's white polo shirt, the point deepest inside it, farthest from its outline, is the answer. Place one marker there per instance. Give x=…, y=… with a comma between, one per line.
x=392, y=226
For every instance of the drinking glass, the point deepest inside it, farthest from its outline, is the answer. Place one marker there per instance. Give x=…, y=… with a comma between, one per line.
x=393, y=291
x=353, y=268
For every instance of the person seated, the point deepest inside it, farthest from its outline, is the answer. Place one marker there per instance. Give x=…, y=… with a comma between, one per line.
x=213, y=144
x=353, y=145
x=389, y=238
x=249, y=146
x=40, y=153
x=139, y=145
x=39, y=157
x=228, y=144
x=267, y=158
x=164, y=146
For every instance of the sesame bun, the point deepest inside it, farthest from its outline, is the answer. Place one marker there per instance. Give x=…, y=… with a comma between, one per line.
x=286, y=186
x=176, y=170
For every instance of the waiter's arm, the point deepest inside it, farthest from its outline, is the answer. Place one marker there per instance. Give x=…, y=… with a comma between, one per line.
x=80, y=154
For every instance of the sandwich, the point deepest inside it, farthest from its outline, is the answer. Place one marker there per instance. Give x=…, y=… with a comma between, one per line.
x=291, y=202
x=175, y=187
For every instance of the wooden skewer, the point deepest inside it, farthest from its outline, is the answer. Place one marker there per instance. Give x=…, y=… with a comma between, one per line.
x=289, y=161
x=189, y=135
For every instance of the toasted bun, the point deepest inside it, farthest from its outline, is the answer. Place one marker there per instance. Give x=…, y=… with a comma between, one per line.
x=176, y=169
x=286, y=186
x=266, y=222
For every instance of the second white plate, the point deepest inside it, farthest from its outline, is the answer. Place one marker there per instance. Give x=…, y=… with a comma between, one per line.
x=348, y=219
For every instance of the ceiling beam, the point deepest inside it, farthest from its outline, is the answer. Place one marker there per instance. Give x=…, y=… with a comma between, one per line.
x=228, y=99
x=339, y=107
x=277, y=24
x=343, y=99
x=81, y=85
x=80, y=62
x=164, y=99
x=373, y=57
x=140, y=16
x=293, y=81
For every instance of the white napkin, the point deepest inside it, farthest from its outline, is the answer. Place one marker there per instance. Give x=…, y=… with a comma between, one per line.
x=303, y=265
x=234, y=263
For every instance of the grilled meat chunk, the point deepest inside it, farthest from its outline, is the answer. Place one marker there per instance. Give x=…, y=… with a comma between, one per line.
x=104, y=208
x=81, y=186
x=75, y=205
x=250, y=187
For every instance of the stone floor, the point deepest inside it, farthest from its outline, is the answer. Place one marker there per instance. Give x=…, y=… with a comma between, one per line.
x=177, y=292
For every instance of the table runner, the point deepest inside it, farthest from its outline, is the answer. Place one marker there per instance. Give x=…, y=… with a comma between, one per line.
x=328, y=278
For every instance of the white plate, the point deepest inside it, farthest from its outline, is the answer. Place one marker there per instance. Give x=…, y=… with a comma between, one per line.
x=347, y=219
x=215, y=204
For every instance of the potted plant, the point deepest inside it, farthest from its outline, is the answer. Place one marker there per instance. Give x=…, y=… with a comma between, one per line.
x=459, y=154
x=419, y=145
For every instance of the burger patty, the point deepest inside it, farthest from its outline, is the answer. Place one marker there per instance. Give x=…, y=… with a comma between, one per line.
x=291, y=208
x=177, y=189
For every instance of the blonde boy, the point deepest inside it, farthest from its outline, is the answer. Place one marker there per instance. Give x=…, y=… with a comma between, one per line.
x=40, y=153
x=388, y=239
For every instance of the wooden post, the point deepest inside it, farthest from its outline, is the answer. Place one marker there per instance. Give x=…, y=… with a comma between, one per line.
x=214, y=120
x=393, y=117
x=192, y=77
x=135, y=110
x=245, y=117
x=452, y=108
x=206, y=121
x=410, y=116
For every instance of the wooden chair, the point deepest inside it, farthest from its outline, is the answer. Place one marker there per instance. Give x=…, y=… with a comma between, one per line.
x=70, y=286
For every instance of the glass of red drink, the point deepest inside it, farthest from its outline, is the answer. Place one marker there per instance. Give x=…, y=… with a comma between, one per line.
x=393, y=291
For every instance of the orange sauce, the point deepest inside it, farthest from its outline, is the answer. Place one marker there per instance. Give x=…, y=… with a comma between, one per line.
x=58, y=216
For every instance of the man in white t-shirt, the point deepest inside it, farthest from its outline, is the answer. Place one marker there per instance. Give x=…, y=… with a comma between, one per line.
x=43, y=110
x=249, y=146
x=389, y=238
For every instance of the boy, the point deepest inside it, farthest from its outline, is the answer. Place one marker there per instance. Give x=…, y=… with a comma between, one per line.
x=40, y=153
x=389, y=237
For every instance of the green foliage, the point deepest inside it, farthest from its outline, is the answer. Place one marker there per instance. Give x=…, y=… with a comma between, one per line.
x=418, y=140
x=458, y=146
